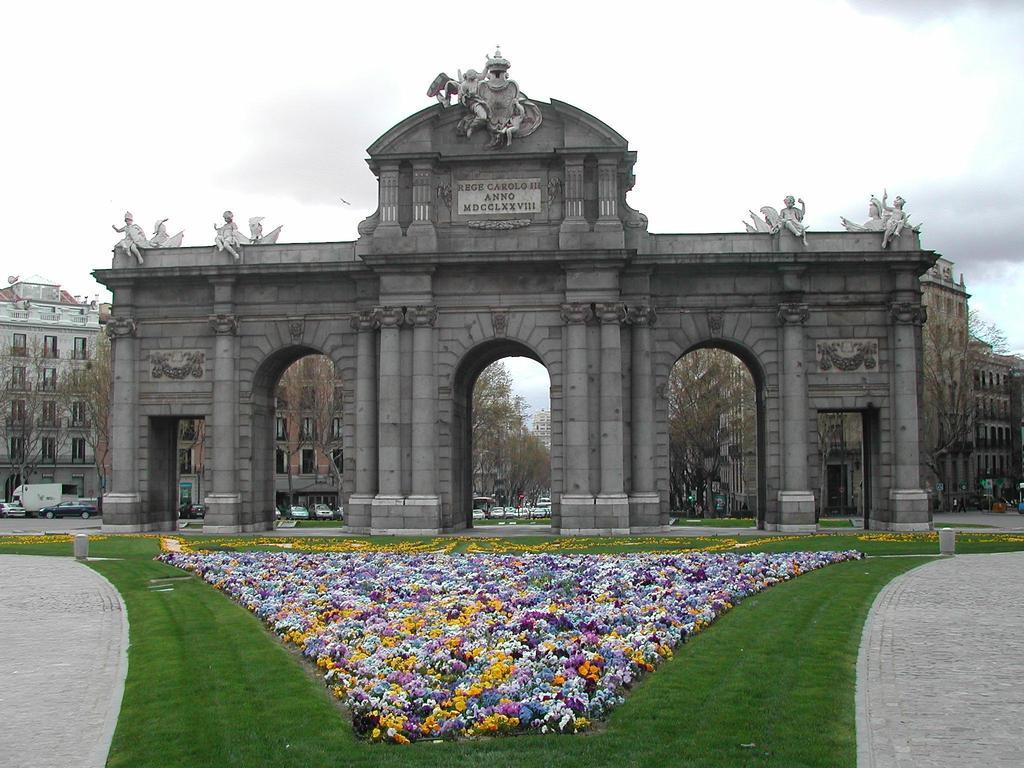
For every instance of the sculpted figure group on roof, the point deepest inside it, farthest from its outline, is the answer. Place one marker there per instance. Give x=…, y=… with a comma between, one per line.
x=491, y=100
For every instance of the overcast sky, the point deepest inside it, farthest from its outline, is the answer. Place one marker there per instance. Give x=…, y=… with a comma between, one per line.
x=185, y=109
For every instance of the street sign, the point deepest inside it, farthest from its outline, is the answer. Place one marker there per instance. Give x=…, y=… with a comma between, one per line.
x=940, y=487
x=963, y=485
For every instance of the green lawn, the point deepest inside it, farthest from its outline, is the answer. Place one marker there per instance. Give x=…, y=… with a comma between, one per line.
x=207, y=685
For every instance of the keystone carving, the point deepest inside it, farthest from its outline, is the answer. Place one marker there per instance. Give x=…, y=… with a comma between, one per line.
x=716, y=322
x=847, y=355
x=903, y=312
x=499, y=318
x=224, y=324
x=792, y=313
x=577, y=314
x=121, y=327
x=296, y=328
x=642, y=315
x=421, y=316
x=364, y=320
x=611, y=313
x=177, y=365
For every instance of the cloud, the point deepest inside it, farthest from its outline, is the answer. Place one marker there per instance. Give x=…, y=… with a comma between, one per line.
x=301, y=146
x=931, y=10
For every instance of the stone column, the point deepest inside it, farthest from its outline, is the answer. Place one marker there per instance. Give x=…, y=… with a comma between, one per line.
x=424, y=503
x=577, y=502
x=387, y=199
x=796, y=502
x=612, y=506
x=644, y=501
x=908, y=502
x=387, y=505
x=358, y=516
x=607, y=189
x=122, y=504
x=422, y=226
x=573, y=225
x=224, y=513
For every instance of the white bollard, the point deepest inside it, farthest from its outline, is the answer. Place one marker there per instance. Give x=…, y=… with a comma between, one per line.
x=81, y=546
x=947, y=541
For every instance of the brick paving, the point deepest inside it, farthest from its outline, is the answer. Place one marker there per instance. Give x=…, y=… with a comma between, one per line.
x=63, y=659
x=940, y=678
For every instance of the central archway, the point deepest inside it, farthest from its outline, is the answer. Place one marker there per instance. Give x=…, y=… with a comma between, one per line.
x=466, y=376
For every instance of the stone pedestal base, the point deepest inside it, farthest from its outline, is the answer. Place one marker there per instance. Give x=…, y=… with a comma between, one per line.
x=577, y=515
x=405, y=516
x=359, y=513
x=223, y=513
x=796, y=513
x=262, y=521
x=122, y=513
x=645, y=512
x=908, y=511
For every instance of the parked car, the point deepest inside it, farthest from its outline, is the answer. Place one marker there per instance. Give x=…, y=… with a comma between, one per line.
x=192, y=511
x=323, y=512
x=9, y=509
x=298, y=513
x=69, y=509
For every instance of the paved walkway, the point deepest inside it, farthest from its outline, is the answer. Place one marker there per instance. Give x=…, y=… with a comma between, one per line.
x=63, y=660
x=940, y=678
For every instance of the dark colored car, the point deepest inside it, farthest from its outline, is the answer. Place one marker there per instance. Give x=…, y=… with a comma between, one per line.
x=69, y=509
x=192, y=511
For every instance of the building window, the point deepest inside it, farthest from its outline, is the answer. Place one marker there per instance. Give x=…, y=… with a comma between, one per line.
x=49, y=383
x=281, y=462
x=16, y=446
x=336, y=428
x=18, y=378
x=49, y=417
x=282, y=429
x=49, y=346
x=48, y=449
x=307, y=428
x=79, y=481
x=185, y=461
x=308, y=462
x=78, y=414
x=17, y=412
x=338, y=457
x=81, y=351
x=78, y=449
x=19, y=346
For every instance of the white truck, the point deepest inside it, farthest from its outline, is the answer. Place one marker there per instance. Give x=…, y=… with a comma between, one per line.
x=35, y=496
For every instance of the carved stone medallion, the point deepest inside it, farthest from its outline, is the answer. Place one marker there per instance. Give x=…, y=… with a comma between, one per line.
x=847, y=355
x=177, y=365
x=296, y=328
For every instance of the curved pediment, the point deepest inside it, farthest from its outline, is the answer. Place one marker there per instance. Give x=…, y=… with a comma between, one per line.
x=433, y=132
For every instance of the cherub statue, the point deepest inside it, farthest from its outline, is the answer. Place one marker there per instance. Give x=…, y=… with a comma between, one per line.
x=790, y=217
x=134, y=238
x=161, y=239
x=889, y=220
x=895, y=220
x=229, y=238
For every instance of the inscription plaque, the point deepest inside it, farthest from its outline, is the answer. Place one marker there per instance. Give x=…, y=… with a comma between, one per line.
x=490, y=197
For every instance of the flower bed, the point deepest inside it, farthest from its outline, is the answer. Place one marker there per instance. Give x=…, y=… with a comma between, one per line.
x=426, y=646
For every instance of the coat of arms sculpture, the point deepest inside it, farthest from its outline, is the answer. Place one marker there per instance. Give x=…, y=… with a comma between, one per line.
x=491, y=101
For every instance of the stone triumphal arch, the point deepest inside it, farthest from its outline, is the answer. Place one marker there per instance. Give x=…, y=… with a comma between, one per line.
x=503, y=228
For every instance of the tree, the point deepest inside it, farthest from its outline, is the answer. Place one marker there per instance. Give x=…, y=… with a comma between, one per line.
x=508, y=460
x=309, y=399
x=711, y=403
x=88, y=394
x=35, y=426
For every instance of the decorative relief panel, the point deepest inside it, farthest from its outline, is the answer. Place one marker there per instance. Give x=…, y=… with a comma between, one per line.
x=847, y=355
x=177, y=365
